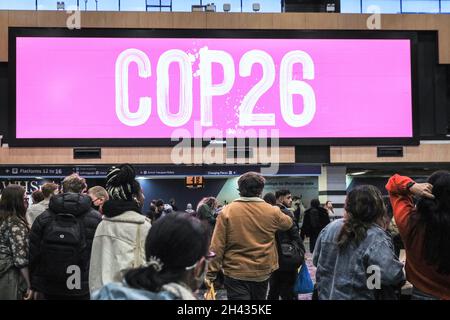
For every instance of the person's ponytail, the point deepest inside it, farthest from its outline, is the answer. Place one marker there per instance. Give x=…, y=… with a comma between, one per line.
x=143, y=278
x=148, y=278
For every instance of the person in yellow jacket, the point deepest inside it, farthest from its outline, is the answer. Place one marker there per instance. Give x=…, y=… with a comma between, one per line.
x=244, y=241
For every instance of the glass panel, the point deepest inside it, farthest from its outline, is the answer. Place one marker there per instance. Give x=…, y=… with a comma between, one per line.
x=108, y=5
x=52, y=4
x=133, y=5
x=18, y=5
x=265, y=5
x=183, y=5
x=445, y=6
x=235, y=5
x=386, y=6
x=89, y=5
x=350, y=6
x=347, y=6
x=157, y=3
x=421, y=6
x=100, y=5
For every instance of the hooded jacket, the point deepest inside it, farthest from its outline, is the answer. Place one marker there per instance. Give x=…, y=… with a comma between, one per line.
x=36, y=209
x=78, y=205
x=119, y=244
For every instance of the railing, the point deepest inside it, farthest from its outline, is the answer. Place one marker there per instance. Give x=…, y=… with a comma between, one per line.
x=160, y=6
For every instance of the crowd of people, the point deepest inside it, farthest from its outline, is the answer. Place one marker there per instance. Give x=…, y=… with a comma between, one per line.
x=82, y=243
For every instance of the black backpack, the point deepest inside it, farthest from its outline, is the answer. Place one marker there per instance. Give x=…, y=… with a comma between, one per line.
x=63, y=244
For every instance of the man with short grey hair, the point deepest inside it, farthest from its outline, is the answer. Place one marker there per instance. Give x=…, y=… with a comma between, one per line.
x=98, y=196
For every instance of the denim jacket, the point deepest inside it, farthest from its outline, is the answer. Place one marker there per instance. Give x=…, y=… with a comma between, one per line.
x=120, y=291
x=351, y=273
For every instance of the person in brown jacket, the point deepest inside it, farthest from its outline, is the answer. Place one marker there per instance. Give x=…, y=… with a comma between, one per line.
x=244, y=241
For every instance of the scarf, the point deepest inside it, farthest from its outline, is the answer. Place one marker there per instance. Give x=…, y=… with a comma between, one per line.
x=113, y=208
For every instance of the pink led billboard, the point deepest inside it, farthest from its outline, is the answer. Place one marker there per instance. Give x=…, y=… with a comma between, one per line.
x=126, y=88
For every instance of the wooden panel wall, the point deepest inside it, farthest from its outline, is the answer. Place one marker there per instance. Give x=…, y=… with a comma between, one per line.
x=432, y=153
x=134, y=155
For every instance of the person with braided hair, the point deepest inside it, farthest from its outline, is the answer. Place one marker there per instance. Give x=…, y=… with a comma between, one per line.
x=354, y=256
x=119, y=240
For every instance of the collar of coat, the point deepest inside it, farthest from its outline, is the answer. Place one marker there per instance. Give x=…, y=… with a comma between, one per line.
x=181, y=291
x=113, y=208
x=249, y=199
x=128, y=217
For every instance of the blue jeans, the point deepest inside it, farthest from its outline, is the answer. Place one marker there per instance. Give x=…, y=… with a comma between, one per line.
x=420, y=295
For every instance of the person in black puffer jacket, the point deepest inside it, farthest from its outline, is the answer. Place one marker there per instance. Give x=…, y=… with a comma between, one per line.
x=291, y=254
x=60, y=244
x=316, y=218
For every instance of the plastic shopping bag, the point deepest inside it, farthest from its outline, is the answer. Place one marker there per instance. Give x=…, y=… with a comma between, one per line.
x=210, y=293
x=304, y=283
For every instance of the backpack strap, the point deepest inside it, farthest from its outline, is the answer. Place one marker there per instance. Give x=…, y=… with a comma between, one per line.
x=137, y=248
x=83, y=230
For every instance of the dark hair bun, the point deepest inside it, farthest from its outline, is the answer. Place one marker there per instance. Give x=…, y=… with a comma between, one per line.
x=126, y=174
x=121, y=175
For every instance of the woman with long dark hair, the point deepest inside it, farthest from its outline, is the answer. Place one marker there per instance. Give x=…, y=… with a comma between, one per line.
x=425, y=231
x=14, y=231
x=176, y=252
x=354, y=256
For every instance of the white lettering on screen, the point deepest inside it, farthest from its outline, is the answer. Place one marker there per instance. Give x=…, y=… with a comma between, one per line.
x=288, y=87
x=123, y=112
x=207, y=88
x=246, y=115
x=185, y=103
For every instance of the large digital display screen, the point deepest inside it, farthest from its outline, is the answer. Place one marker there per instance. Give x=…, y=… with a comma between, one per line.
x=75, y=87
